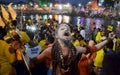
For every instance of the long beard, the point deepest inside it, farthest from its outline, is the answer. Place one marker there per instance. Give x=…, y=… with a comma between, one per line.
x=56, y=54
x=67, y=43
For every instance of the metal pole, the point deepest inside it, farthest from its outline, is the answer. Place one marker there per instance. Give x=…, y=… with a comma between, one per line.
x=25, y=62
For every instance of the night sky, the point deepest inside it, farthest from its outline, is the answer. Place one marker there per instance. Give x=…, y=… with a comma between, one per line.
x=60, y=1
x=73, y=1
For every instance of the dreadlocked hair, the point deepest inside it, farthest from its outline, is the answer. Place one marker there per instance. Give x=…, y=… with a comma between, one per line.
x=56, y=56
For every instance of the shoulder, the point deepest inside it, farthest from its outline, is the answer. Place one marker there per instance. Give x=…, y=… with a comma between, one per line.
x=45, y=54
x=47, y=51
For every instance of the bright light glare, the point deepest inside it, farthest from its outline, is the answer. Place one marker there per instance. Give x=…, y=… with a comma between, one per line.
x=45, y=17
x=60, y=18
x=51, y=5
x=66, y=19
x=50, y=16
x=79, y=5
x=78, y=20
x=45, y=5
x=68, y=4
x=118, y=22
x=89, y=2
x=60, y=7
x=15, y=6
x=31, y=16
x=28, y=27
x=23, y=5
x=101, y=1
x=100, y=4
x=33, y=28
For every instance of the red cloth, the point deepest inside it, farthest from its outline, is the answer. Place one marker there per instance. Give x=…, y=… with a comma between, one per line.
x=85, y=64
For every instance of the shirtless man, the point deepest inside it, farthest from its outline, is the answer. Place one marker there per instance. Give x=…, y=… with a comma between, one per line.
x=63, y=55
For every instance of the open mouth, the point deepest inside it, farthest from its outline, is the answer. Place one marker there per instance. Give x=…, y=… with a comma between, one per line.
x=66, y=34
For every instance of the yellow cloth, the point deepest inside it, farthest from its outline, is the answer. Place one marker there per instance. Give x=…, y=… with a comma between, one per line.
x=82, y=43
x=118, y=40
x=98, y=36
x=6, y=58
x=18, y=54
x=110, y=28
x=114, y=46
x=46, y=23
x=72, y=34
x=42, y=44
x=25, y=38
x=76, y=43
x=12, y=11
x=99, y=58
x=100, y=54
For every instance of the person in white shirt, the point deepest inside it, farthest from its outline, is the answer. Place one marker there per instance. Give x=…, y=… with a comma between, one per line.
x=32, y=50
x=82, y=32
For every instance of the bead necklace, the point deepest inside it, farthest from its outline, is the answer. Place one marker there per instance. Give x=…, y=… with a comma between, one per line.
x=65, y=63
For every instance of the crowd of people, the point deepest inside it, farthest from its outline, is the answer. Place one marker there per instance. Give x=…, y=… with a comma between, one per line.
x=57, y=49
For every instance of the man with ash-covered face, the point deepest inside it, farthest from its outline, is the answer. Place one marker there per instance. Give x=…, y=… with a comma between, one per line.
x=63, y=55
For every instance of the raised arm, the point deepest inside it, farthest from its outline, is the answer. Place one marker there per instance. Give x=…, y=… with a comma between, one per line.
x=46, y=54
x=93, y=48
x=102, y=44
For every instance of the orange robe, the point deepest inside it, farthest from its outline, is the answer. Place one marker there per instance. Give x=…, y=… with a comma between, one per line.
x=85, y=64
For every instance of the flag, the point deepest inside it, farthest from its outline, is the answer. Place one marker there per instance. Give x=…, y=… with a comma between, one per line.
x=12, y=11
x=5, y=14
x=1, y=22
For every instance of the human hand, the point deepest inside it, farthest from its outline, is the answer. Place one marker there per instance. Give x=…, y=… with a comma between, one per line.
x=111, y=36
